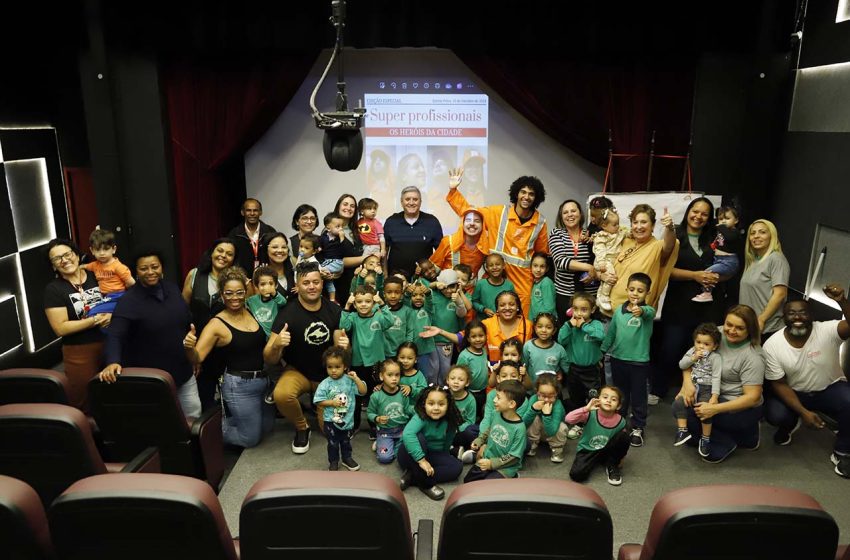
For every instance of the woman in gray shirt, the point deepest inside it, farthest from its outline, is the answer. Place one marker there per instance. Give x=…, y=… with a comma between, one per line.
x=764, y=284
x=736, y=416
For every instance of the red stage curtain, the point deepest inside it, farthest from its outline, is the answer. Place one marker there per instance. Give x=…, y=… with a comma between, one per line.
x=216, y=111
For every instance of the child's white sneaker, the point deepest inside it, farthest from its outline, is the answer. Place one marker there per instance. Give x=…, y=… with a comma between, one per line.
x=468, y=457
x=532, y=451
x=574, y=432
x=557, y=456
x=702, y=297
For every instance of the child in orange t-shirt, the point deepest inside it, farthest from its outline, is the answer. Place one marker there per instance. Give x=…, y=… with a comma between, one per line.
x=113, y=277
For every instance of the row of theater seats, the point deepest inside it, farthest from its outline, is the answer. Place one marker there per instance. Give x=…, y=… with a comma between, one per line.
x=354, y=516
x=138, y=412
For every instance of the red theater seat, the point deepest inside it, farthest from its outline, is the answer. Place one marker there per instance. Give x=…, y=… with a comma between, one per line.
x=140, y=516
x=50, y=446
x=736, y=521
x=141, y=410
x=24, y=533
x=316, y=514
x=573, y=516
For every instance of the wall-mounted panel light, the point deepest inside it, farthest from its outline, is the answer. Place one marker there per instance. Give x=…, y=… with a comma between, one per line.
x=29, y=197
x=820, y=99
x=843, y=11
x=9, y=319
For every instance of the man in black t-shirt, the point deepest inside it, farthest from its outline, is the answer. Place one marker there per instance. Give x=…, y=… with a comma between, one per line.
x=302, y=331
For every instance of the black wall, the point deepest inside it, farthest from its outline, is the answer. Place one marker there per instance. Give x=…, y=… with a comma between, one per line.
x=812, y=179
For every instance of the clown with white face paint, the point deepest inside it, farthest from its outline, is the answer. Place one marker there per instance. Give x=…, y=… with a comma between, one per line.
x=467, y=245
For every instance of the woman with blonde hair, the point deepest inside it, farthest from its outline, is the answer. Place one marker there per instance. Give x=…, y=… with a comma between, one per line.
x=764, y=284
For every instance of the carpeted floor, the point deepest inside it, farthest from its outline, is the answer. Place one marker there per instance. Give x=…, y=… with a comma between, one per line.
x=649, y=472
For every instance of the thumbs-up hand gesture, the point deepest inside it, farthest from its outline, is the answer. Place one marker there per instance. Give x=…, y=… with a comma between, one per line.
x=283, y=338
x=455, y=177
x=191, y=338
x=667, y=220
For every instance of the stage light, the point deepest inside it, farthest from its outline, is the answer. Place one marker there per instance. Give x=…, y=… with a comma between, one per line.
x=343, y=142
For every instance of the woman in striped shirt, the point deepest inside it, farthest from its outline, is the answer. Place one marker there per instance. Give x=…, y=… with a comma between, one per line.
x=572, y=257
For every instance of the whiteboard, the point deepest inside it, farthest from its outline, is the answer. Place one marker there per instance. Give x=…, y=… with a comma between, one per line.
x=676, y=203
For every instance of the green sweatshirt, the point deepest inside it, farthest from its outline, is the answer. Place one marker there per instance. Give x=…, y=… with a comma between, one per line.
x=437, y=435
x=444, y=315
x=478, y=364
x=490, y=411
x=400, y=331
x=416, y=382
x=551, y=422
x=484, y=295
x=419, y=319
x=542, y=298
x=466, y=405
x=582, y=344
x=628, y=336
x=367, y=335
x=395, y=405
x=537, y=359
x=505, y=441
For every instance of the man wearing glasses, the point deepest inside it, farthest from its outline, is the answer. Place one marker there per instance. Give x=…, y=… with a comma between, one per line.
x=302, y=331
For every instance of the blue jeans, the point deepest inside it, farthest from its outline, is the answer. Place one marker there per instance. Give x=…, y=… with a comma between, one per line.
x=387, y=444
x=833, y=401
x=339, y=442
x=247, y=418
x=730, y=430
x=429, y=365
x=190, y=402
x=332, y=266
x=631, y=378
x=724, y=265
x=444, y=362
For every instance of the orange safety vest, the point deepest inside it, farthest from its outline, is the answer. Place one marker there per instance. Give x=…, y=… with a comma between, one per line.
x=507, y=236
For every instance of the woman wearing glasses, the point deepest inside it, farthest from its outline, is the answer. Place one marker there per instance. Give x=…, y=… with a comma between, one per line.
x=305, y=220
x=240, y=341
x=67, y=302
x=200, y=291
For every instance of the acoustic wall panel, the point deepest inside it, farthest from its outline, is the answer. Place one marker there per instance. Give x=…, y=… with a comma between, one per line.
x=12, y=335
x=29, y=196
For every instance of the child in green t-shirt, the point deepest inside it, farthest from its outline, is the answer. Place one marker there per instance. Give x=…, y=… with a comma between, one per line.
x=548, y=415
x=501, y=447
x=264, y=306
x=543, y=288
x=389, y=409
x=485, y=291
x=412, y=380
x=458, y=382
x=627, y=340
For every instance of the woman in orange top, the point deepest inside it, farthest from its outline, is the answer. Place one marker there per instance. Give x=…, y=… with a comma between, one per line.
x=508, y=322
x=468, y=245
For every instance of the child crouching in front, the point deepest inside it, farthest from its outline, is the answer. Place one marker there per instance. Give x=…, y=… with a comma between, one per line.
x=424, y=453
x=548, y=413
x=389, y=409
x=703, y=366
x=501, y=447
x=604, y=440
x=336, y=395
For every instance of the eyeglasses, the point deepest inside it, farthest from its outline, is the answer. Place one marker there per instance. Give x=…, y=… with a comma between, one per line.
x=307, y=219
x=237, y=294
x=64, y=257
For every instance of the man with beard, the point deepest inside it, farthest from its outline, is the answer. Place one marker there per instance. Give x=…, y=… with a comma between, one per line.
x=247, y=235
x=302, y=331
x=466, y=246
x=515, y=231
x=802, y=363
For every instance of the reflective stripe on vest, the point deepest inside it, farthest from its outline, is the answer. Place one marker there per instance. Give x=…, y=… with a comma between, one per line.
x=455, y=258
x=500, y=241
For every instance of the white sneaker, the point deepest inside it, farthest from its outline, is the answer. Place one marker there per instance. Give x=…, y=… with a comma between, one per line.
x=652, y=400
x=532, y=451
x=374, y=446
x=703, y=297
x=557, y=456
x=574, y=432
x=468, y=457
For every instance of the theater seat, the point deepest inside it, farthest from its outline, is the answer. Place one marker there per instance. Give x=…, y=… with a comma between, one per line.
x=736, y=521
x=24, y=533
x=50, y=446
x=316, y=514
x=141, y=410
x=33, y=385
x=500, y=519
x=140, y=516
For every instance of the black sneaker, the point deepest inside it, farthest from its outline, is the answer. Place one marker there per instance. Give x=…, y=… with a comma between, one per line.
x=333, y=466
x=783, y=436
x=373, y=434
x=842, y=464
x=405, y=480
x=301, y=443
x=715, y=458
x=704, y=448
x=636, y=437
x=682, y=437
x=351, y=464
x=615, y=477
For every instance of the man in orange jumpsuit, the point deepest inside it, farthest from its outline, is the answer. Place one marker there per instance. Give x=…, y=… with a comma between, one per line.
x=515, y=231
x=468, y=245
